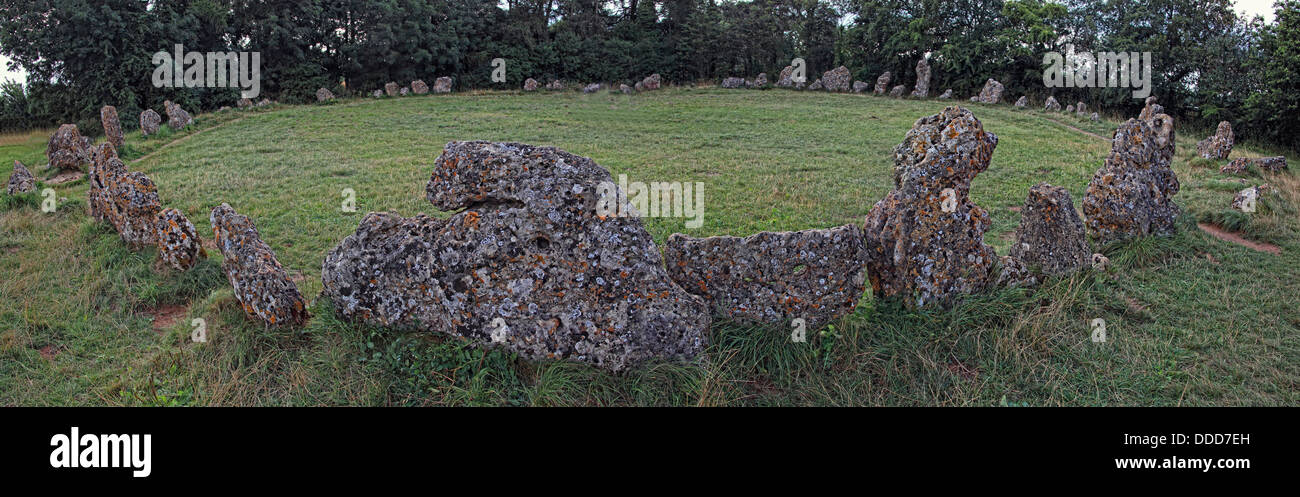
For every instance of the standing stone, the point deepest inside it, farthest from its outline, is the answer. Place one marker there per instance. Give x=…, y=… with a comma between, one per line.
x=528, y=262
x=1094, y=117
x=530, y=84
x=264, y=102
x=179, y=245
x=882, y=84
x=922, y=89
x=149, y=122
x=442, y=85
x=816, y=85
x=592, y=88
x=897, y=91
x=21, y=181
x=1080, y=110
x=1069, y=109
x=324, y=95
x=786, y=78
x=1129, y=196
x=773, y=278
x=759, y=82
x=67, y=148
x=404, y=91
x=638, y=86
x=261, y=285
x=1052, y=105
x=419, y=87
x=244, y=103
x=837, y=79
x=625, y=89
x=1151, y=109
x=125, y=199
x=1217, y=146
x=1013, y=272
x=177, y=118
x=1050, y=234
x=555, y=85
x=1270, y=164
x=925, y=239
x=992, y=92
x=112, y=126
x=1022, y=102
x=391, y=89
x=947, y=95
x=651, y=82
x=105, y=167
x=860, y=86
x=377, y=94
x=1248, y=200
x=733, y=83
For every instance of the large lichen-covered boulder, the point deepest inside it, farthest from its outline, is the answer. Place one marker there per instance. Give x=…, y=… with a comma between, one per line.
x=653, y=82
x=67, y=148
x=404, y=91
x=732, y=83
x=112, y=126
x=261, y=284
x=922, y=88
x=324, y=95
x=1022, y=102
x=882, y=83
x=861, y=86
x=897, y=91
x=391, y=89
x=992, y=92
x=1240, y=164
x=786, y=78
x=530, y=84
x=837, y=79
x=125, y=199
x=179, y=245
x=419, y=87
x=1051, y=235
x=530, y=262
x=150, y=121
x=1051, y=105
x=1130, y=196
x=177, y=118
x=925, y=239
x=21, y=180
x=1217, y=146
x=442, y=85
x=773, y=278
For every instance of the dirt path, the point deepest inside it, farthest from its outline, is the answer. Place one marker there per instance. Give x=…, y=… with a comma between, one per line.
x=1089, y=133
x=1231, y=237
x=184, y=138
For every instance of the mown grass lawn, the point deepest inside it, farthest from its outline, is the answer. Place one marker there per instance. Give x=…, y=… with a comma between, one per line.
x=1191, y=320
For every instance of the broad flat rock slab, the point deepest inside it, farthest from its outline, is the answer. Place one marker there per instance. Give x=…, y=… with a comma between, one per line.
x=1051, y=235
x=525, y=263
x=261, y=284
x=1130, y=196
x=773, y=278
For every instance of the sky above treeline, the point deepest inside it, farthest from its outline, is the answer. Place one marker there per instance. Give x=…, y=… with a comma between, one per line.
x=1248, y=7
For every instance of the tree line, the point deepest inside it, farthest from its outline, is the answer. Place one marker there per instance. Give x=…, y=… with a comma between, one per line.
x=1210, y=63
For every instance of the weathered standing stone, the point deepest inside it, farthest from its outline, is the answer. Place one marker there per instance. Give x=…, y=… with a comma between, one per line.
x=732, y=83
x=1217, y=146
x=651, y=82
x=1129, y=196
x=261, y=285
x=419, y=87
x=1094, y=117
x=1022, y=101
x=377, y=94
x=127, y=200
x=527, y=263
x=404, y=91
x=67, y=149
x=1150, y=109
x=555, y=85
x=1248, y=200
x=947, y=95
x=638, y=86
x=530, y=84
x=925, y=239
x=786, y=78
x=1069, y=109
x=759, y=81
x=922, y=89
x=837, y=79
x=816, y=85
x=592, y=88
x=1052, y=105
x=882, y=83
x=627, y=90
x=391, y=89
x=1080, y=109
x=773, y=278
x=992, y=92
x=179, y=245
x=442, y=85
x=112, y=126
x=897, y=91
x=1013, y=272
x=1050, y=234
x=264, y=102
x=324, y=95
x=149, y=122
x=21, y=181
x=244, y=103
x=177, y=118
x=1270, y=164
x=860, y=86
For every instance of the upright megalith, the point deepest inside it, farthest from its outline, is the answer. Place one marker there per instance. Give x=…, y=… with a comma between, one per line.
x=67, y=148
x=262, y=286
x=1051, y=105
x=759, y=82
x=882, y=83
x=177, y=118
x=442, y=85
x=244, y=103
x=773, y=278
x=947, y=95
x=150, y=121
x=897, y=91
x=992, y=92
x=391, y=89
x=654, y=81
x=1130, y=196
x=21, y=180
x=1081, y=110
x=112, y=126
x=531, y=84
x=922, y=88
x=1022, y=102
x=555, y=85
x=786, y=78
x=125, y=199
x=324, y=95
x=419, y=87
x=925, y=239
x=860, y=86
x=1151, y=109
x=1218, y=145
x=1051, y=235
x=837, y=79
x=536, y=260
x=179, y=246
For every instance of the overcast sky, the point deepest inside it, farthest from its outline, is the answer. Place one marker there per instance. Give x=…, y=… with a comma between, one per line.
x=1248, y=7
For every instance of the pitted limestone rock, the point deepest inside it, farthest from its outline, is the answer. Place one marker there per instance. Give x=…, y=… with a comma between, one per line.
x=419, y=87
x=21, y=181
x=1051, y=235
x=860, y=86
x=1022, y=101
x=127, y=200
x=625, y=89
x=244, y=103
x=442, y=85
x=922, y=89
x=947, y=95
x=530, y=84
x=816, y=85
x=1013, y=272
x=786, y=78
x=732, y=83
x=179, y=245
x=527, y=263
x=773, y=278
x=67, y=148
x=992, y=92
x=404, y=91
x=324, y=95
x=1248, y=200
x=925, y=239
x=654, y=81
x=1150, y=109
x=177, y=118
x=1130, y=196
x=150, y=121
x=1240, y=164
x=837, y=79
x=112, y=125
x=555, y=85
x=1080, y=110
x=1051, y=105
x=1069, y=109
x=759, y=81
x=897, y=91
x=391, y=89
x=261, y=285
x=592, y=88
x=882, y=83
x=1217, y=146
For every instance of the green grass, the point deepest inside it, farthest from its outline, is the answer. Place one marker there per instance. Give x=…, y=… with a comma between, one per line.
x=1191, y=320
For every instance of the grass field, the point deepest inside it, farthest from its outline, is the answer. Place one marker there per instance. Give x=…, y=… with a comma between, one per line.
x=1191, y=320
